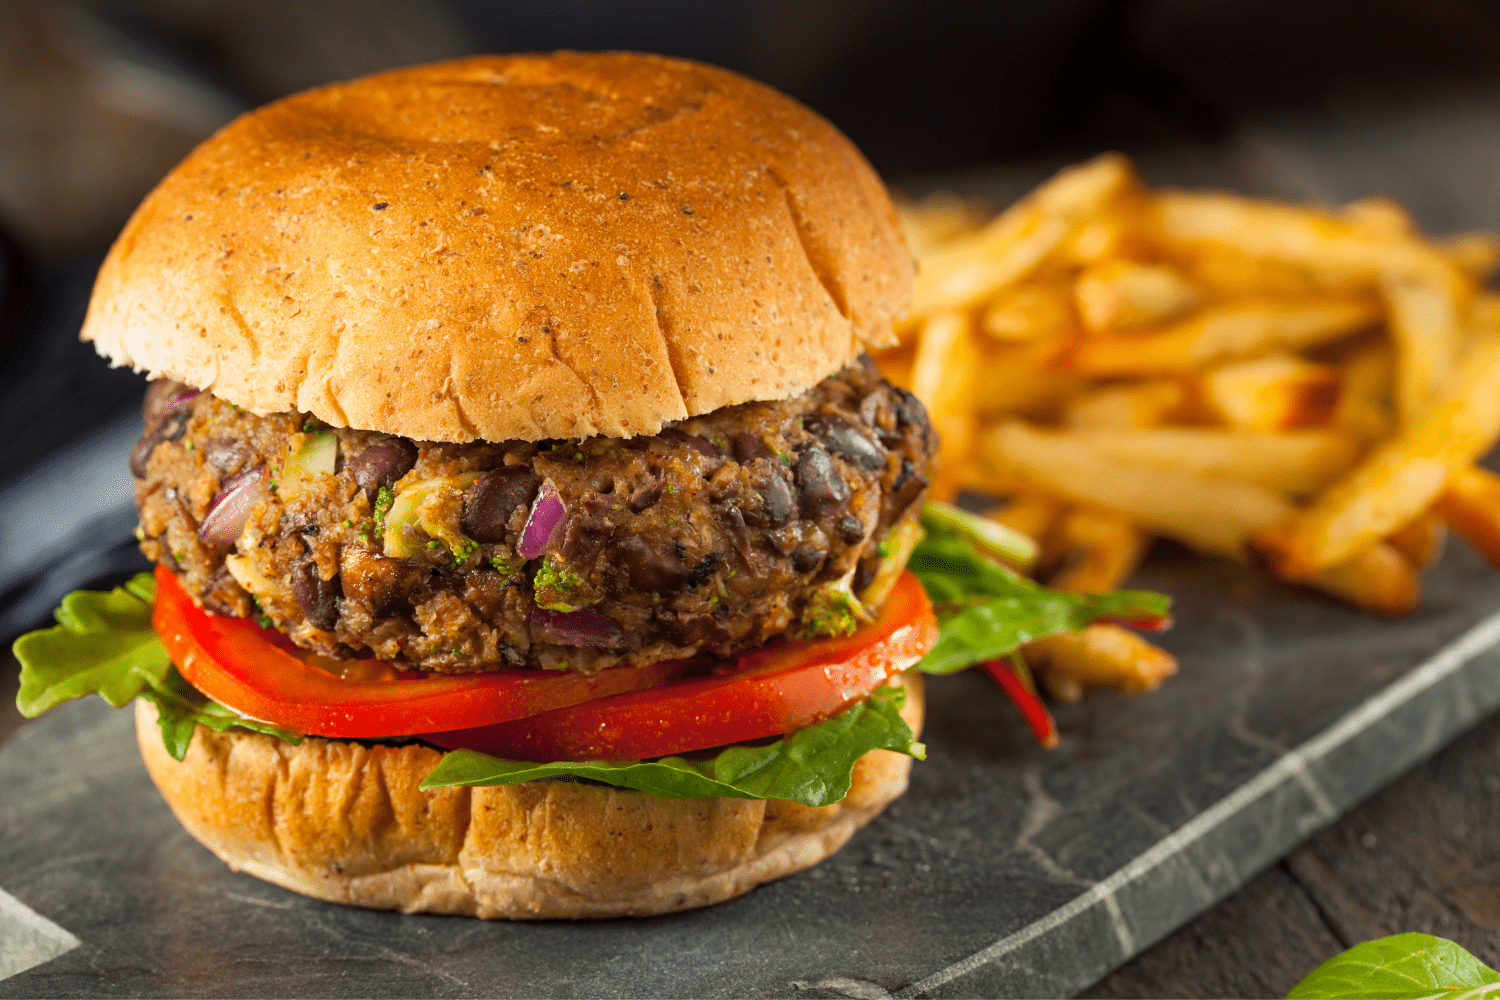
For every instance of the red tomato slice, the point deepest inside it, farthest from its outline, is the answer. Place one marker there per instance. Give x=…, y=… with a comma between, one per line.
x=774, y=690
x=239, y=664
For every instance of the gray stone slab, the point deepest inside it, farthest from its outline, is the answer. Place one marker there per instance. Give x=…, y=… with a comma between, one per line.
x=1006, y=870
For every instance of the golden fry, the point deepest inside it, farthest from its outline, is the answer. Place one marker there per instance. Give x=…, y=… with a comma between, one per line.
x=1276, y=392
x=943, y=378
x=1420, y=541
x=937, y=220
x=1378, y=579
x=1222, y=333
x=1470, y=505
x=1132, y=404
x=1214, y=515
x=1031, y=514
x=1018, y=240
x=1091, y=550
x=1119, y=294
x=1298, y=463
x=1380, y=217
x=1476, y=255
x=1364, y=406
x=1339, y=254
x=1028, y=312
x=1099, y=656
x=1399, y=480
x=1425, y=320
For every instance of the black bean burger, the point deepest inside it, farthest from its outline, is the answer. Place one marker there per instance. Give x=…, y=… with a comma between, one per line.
x=519, y=406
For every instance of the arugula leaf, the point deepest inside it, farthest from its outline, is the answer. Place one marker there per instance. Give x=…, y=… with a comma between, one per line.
x=1399, y=967
x=988, y=611
x=103, y=644
x=180, y=707
x=812, y=766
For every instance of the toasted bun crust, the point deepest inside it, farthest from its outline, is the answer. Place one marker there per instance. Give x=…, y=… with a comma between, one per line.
x=344, y=822
x=515, y=247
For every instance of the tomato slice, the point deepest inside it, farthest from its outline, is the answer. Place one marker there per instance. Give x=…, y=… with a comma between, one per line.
x=250, y=669
x=773, y=690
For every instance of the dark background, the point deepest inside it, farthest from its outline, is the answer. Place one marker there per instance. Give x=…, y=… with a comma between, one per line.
x=98, y=100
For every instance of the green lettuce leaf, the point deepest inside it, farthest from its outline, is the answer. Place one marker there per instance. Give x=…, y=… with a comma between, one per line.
x=103, y=644
x=180, y=707
x=1399, y=967
x=987, y=611
x=812, y=766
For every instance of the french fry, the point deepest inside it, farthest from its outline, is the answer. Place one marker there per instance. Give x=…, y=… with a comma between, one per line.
x=1421, y=540
x=1276, y=392
x=942, y=377
x=1029, y=312
x=1225, y=276
x=1031, y=514
x=1022, y=378
x=1399, y=480
x=1132, y=404
x=1120, y=294
x=1364, y=406
x=1297, y=463
x=1214, y=515
x=1090, y=550
x=1470, y=505
x=1339, y=254
x=1378, y=579
x=1425, y=320
x=1381, y=217
x=1222, y=333
x=937, y=220
x=1019, y=239
x=1099, y=656
x=1476, y=255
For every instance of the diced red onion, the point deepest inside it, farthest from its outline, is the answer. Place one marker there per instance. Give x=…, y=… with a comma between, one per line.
x=231, y=508
x=163, y=403
x=576, y=628
x=547, y=514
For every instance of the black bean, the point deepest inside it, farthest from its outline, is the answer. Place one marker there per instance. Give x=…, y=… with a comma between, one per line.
x=646, y=497
x=864, y=575
x=690, y=630
x=748, y=447
x=869, y=409
x=583, y=537
x=651, y=568
x=851, y=528
x=702, y=446
x=733, y=522
x=807, y=557
x=382, y=464
x=843, y=438
x=227, y=455
x=318, y=598
x=909, y=409
x=776, y=506
x=167, y=428
x=497, y=500
x=908, y=486
x=823, y=490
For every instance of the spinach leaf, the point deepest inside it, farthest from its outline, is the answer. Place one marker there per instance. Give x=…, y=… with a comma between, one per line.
x=1399, y=967
x=813, y=766
x=988, y=611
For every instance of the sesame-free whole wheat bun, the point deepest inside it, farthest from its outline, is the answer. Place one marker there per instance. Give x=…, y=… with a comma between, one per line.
x=345, y=822
x=510, y=247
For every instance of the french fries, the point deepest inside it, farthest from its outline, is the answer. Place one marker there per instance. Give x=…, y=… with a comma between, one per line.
x=1400, y=480
x=1273, y=393
x=1470, y=505
x=1223, y=333
x=1302, y=388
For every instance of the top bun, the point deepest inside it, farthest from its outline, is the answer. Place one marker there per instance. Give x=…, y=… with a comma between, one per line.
x=512, y=247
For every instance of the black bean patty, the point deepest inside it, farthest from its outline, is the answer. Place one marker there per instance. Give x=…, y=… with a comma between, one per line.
x=713, y=536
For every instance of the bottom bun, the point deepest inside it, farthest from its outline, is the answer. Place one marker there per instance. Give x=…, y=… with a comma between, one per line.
x=345, y=822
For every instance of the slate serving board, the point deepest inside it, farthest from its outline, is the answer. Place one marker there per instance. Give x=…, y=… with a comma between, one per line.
x=1006, y=870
